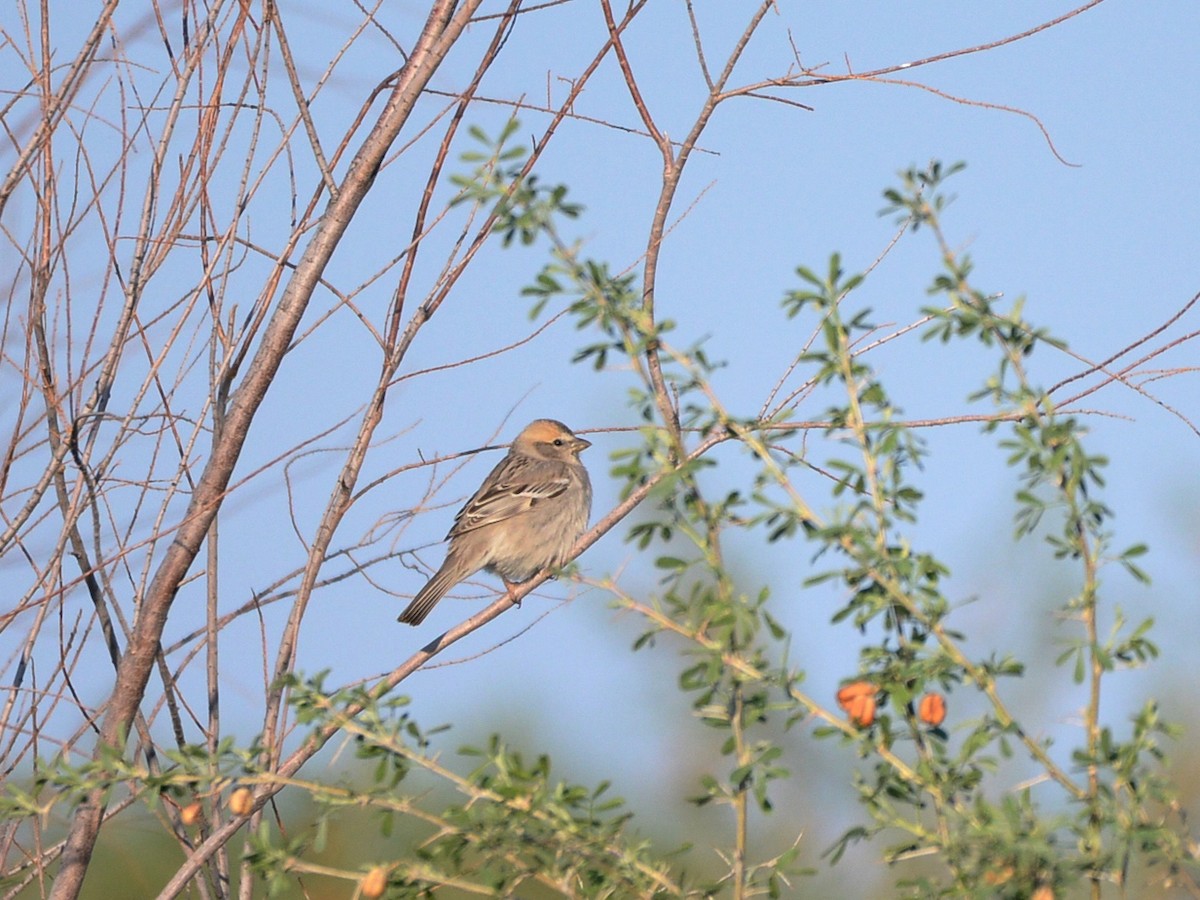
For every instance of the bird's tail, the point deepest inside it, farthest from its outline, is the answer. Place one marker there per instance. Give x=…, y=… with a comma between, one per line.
x=445, y=578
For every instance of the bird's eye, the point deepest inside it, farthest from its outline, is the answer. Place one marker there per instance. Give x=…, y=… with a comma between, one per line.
x=558, y=442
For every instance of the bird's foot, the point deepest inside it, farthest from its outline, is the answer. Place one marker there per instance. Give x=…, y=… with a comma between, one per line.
x=511, y=590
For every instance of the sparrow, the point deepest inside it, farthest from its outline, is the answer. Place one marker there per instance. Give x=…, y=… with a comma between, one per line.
x=525, y=517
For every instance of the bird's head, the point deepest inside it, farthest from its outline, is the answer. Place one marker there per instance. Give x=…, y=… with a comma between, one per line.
x=550, y=439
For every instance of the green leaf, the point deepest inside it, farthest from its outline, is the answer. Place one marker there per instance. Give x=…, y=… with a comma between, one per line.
x=670, y=563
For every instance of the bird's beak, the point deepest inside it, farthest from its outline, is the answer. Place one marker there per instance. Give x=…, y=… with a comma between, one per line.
x=580, y=445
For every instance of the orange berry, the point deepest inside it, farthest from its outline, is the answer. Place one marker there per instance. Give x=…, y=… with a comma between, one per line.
x=374, y=883
x=241, y=801
x=998, y=876
x=858, y=700
x=190, y=814
x=932, y=709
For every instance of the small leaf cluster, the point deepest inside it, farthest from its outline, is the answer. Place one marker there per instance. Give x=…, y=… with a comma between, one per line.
x=522, y=206
x=513, y=827
x=179, y=773
x=522, y=825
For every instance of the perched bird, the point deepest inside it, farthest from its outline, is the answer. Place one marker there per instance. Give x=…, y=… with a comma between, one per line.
x=525, y=517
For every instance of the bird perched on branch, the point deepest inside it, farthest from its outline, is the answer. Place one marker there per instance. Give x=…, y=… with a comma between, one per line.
x=525, y=517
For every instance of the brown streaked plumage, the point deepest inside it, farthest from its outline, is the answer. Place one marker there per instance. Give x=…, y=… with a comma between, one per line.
x=525, y=517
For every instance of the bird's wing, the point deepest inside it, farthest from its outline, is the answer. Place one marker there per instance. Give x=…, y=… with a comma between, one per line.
x=509, y=491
